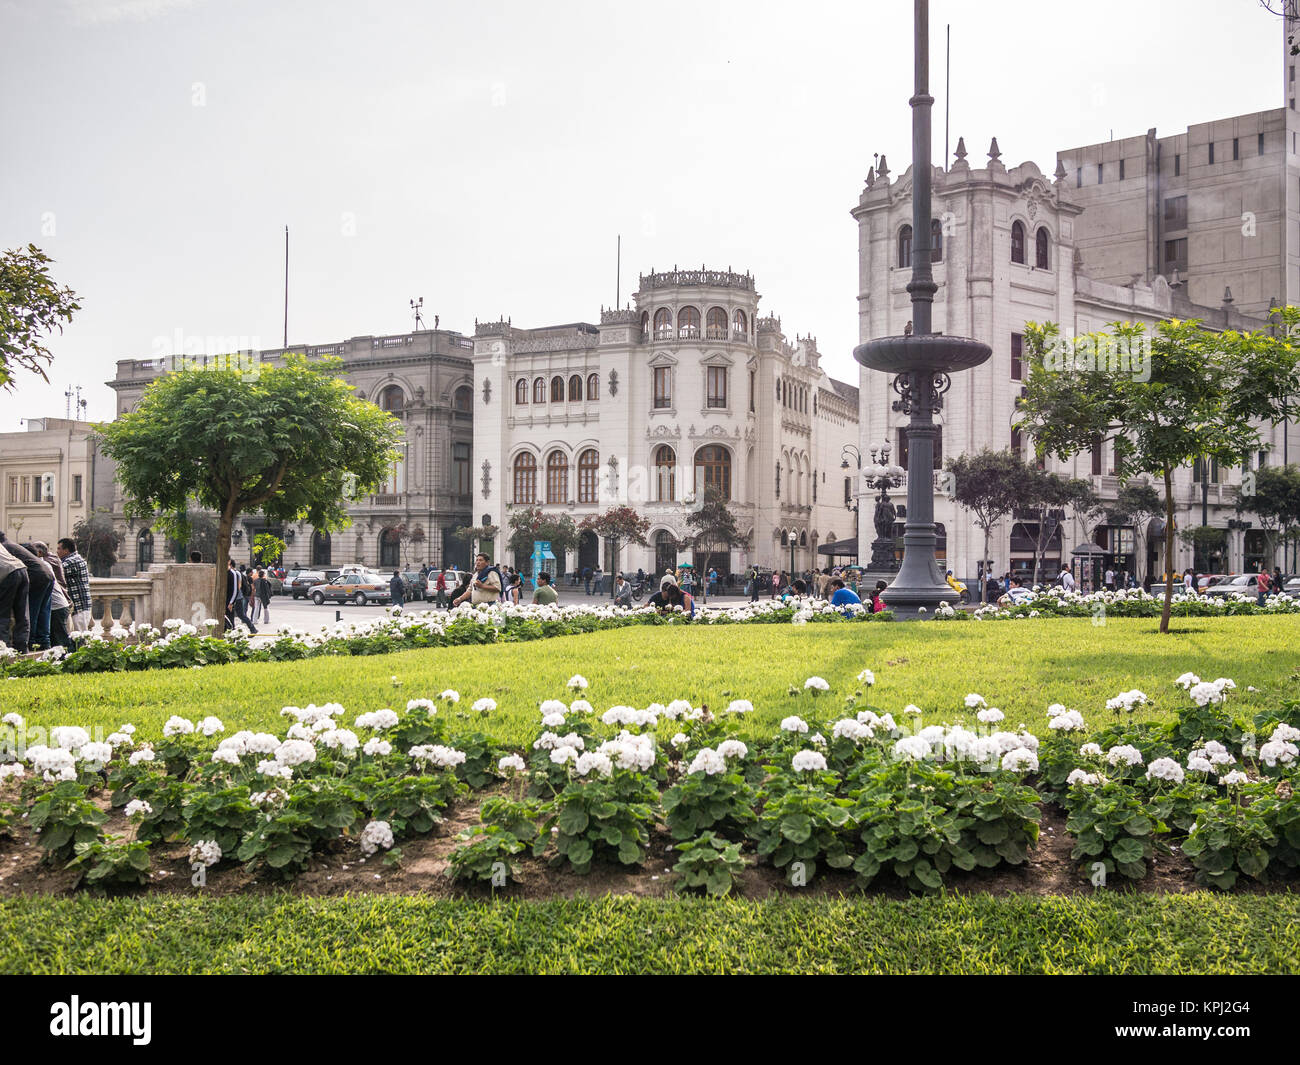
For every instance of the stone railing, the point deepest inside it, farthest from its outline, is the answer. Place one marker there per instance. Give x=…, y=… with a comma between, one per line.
x=165, y=590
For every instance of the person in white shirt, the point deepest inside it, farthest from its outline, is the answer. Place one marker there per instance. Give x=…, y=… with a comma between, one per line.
x=1066, y=580
x=1110, y=580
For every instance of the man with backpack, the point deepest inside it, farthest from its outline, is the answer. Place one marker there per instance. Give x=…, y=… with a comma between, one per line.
x=237, y=598
x=486, y=585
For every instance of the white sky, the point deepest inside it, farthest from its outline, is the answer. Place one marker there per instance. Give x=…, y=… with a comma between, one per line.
x=489, y=153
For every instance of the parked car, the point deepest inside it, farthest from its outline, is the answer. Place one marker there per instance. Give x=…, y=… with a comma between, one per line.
x=1292, y=587
x=304, y=580
x=1242, y=584
x=1209, y=580
x=417, y=586
x=358, y=588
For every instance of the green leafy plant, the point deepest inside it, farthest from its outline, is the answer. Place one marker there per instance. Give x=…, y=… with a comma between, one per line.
x=1231, y=837
x=64, y=817
x=804, y=822
x=491, y=857
x=601, y=818
x=1113, y=824
x=412, y=805
x=717, y=802
x=113, y=861
x=224, y=815
x=709, y=862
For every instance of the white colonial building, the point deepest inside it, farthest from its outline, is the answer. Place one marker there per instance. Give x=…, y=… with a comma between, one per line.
x=690, y=389
x=1006, y=253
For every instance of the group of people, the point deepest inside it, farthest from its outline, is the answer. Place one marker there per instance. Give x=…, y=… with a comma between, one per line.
x=245, y=585
x=44, y=596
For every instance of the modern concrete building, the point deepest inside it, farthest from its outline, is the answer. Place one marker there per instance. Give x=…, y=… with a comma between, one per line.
x=1007, y=253
x=423, y=379
x=689, y=389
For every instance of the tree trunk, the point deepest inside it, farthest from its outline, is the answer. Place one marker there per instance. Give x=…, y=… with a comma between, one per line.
x=1169, y=550
x=984, y=584
x=223, y=559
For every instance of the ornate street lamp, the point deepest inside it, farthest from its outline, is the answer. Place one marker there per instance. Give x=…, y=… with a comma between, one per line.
x=881, y=476
x=921, y=363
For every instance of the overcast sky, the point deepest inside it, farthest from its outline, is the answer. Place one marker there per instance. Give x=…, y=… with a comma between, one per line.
x=486, y=155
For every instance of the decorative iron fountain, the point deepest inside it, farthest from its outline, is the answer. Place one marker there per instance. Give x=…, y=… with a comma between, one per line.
x=921, y=363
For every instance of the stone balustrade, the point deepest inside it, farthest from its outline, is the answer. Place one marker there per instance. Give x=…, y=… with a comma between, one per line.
x=165, y=590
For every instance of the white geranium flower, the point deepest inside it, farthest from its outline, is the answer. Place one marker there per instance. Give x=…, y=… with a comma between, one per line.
x=680, y=739
x=564, y=753
x=69, y=737
x=1165, y=769
x=739, y=706
x=1125, y=754
x=226, y=755
x=375, y=835
x=137, y=806
x=974, y=700
x=794, y=724
x=269, y=767
x=1090, y=750
x=1278, y=752
x=733, y=749
x=577, y=683
x=511, y=763
x=16, y=720
x=1067, y=721
x=867, y=677
x=808, y=762
x=210, y=726
x=1082, y=777
x=816, y=684
x=912, y=748
x=438, y=755
x=1127, y=700
x=295, y=752
x=1235, y=778
x=593, y=761
x=912, y=710
x=422, y=704
x=851, y=729
x=378, y=719
x=451, y=695
x=708, y=761
x=206, y=853
x=178, y=726
x=1020, y=760
x=581, y=706
x=377, y=748
x=553, y=721
x=144, y=754
x=484, y=706
x=991, y=716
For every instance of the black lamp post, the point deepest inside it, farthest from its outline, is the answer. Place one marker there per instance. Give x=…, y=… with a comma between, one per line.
x=921, y=363
x=880, y=477
x=851, y=503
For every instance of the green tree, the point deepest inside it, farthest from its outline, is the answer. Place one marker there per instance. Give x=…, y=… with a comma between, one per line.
x=31, y=307
x=530, y=524
x=97, y=540
x=620, y=525
x=1136, y=503
x=1205, y=541
x=290, y=441
x=1165, y=399
x=989, y=484
x=1272, y=494
x=713, y=531
x=268, y=548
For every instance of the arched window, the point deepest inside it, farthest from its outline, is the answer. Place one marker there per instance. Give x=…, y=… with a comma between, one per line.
x=1041, y=239
x=557, y=477
x=740, y=325
x=645, y=325
x=144, y=550
x=905, y=246
x=575, y=388
x=936, y=241
x=392, y=400
x=390, y=550
x=463, y=399
x=539, y=390
x=663, y=324
x=321, y=550
x=588, y=476
x=521, y=391
x=1017, y=242
x=688, y=323
x=713, y=470
x=716, y=324
x=557, y=389
x=665, y=474
x=593, y=387
x=525, y=478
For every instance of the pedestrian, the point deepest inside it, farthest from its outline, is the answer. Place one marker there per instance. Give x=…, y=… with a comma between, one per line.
x=14, y=627
x=841, y=596
x=622, y=592
x=1278, y=579
x=77, y=575
x=776, y=583
x=1066, y=579
x=397, y=589
x=671, y=597
x=1261, y=587
x=1110, y=578
x=236, y=600
x=545, y=594
x=713, y=581
x=262, y=595
x=878, y=604
x=440, y=588
x=515, y=590
x=597, y=579
x=586, y=576
x=485, y=584
x=753, y=583
x=40, y=586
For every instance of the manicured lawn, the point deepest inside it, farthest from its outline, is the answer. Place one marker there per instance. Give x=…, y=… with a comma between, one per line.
x=1019, y=666
x=1112, y=933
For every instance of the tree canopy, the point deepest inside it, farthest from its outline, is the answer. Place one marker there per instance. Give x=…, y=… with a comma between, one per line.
x=1165, y=398
x=290, y=441
x=32, y=306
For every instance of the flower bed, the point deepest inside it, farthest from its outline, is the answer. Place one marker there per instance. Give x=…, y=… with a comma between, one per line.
x=182, y=646
x=1134, y=603
x=846, y=790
